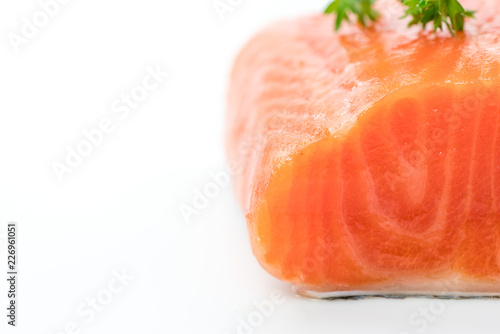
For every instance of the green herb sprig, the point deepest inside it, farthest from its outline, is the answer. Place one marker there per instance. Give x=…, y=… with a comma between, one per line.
x=361, y=8
x=449, y=12
x=439, y=12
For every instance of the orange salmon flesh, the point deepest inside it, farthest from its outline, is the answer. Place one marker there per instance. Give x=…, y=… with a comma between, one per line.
x=371, y=157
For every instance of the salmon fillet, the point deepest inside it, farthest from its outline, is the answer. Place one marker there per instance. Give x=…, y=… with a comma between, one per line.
x=370, y=159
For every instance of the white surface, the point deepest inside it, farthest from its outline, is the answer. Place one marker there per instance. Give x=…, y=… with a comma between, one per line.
x=120, y=208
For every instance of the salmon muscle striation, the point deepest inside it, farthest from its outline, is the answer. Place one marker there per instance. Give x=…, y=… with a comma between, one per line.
x=370, y=158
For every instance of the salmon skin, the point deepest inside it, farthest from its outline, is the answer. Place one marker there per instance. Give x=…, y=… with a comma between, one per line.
x=370, y=159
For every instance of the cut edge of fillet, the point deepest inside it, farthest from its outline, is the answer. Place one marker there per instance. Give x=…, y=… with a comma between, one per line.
x=326, y=221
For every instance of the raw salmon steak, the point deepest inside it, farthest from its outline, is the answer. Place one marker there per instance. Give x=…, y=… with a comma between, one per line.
x=369, y=159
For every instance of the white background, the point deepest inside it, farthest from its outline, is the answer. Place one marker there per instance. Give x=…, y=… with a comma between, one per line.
x=119, y=209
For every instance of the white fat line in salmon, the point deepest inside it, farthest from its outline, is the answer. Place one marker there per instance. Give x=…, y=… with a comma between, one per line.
x=455, y=116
